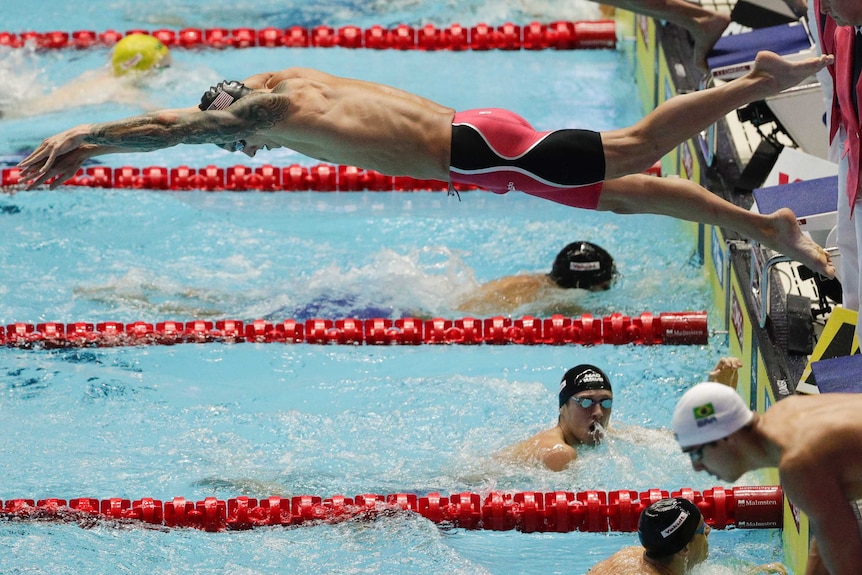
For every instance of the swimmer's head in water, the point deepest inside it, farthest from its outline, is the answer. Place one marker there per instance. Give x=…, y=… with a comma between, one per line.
x=582, y=378
x=221, y=96
x=139, y=53
x=583, y=265
x=667, y=526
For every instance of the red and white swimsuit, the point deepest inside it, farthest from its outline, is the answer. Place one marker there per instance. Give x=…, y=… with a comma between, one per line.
x=500, y=151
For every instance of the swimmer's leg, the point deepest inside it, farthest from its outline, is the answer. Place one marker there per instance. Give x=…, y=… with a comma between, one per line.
x=705, y=26
x=634, y=149
x=687, y=200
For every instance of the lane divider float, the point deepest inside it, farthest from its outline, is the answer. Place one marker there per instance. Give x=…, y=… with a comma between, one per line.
x=668, y=328
x=755, y=507
x=559, y=35
x=238, y=178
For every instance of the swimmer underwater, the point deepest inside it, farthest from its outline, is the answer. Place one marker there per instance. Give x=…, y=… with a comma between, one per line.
x=377, y=127
x=579, y=265
x=134, y=60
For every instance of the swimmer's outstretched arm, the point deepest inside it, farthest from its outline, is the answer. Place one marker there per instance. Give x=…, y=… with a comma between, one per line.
x=726, y=371
x=148, y=132
x=634, y=149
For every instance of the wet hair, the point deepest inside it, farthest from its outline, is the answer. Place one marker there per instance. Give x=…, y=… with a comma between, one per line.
x=667, y=526
x=223, y=94
x=582, y=265
x=581, y=378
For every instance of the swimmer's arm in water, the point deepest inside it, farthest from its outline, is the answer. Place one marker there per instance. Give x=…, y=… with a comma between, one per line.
x=506, y=294
x=767, y=568
x=132, y=96
x=164, y=129
x=91, y=88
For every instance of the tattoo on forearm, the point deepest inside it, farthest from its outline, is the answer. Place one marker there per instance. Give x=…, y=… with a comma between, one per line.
x=147, y=132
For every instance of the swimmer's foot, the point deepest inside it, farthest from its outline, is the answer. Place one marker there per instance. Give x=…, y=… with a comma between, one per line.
x=705, y=34
x=772, y=73
x=787, y=238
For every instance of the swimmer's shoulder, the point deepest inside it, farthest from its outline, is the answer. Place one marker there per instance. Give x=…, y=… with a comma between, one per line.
x=627, y=560
x=551, y=449
x=558, y=457
x=535, y=448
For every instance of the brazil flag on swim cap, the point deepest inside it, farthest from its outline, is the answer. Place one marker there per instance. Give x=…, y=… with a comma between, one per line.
x=707, y=412
x=703, y=411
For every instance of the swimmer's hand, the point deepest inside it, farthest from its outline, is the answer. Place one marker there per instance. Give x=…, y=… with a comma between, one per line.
x=767, y=568
x=58, y=157
x=726, y=371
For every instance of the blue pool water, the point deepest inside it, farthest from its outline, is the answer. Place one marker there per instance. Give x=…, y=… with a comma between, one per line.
x=253, y=255
x=269, y=419
x=262, y=419
x=122, y=15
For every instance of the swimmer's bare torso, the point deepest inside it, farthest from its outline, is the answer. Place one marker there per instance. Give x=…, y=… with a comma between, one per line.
x=354, y=122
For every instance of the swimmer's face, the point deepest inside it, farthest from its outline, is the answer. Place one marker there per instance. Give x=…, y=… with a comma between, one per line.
x=718, y=459
x=249, y=146
x=698, y=547
x=252, y=144
x=580, y=422
x=844, y=12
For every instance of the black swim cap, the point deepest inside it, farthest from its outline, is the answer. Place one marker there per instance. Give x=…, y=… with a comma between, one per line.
x=667, y=526
x=582, y=265
x=223, y=95
x=581, y=378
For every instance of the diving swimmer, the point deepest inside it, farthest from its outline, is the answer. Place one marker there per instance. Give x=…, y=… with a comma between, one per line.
x=377, y=127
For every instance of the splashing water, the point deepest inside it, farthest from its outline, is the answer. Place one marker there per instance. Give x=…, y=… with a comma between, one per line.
x=598, y=432
x=19, y=75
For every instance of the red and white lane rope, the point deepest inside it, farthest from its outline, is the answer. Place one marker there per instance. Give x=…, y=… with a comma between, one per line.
x=756, y=507
x=238, y=178
x=668, y=328
x=560, y=35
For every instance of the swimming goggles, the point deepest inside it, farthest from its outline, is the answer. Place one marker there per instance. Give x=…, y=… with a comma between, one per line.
x=701, y=529
x=587, y=402
x=696, y=454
